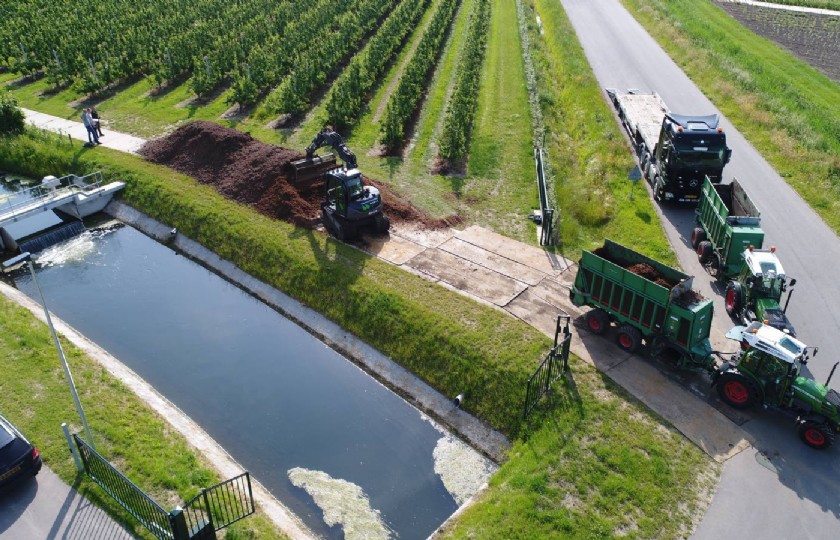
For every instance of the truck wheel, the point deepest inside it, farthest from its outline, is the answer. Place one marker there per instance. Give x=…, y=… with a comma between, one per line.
x=597, y=321
x=732, y=299
x=697, y=235
x=704, y=251
x=816, y=435
x=629, y=338
x=736, y=390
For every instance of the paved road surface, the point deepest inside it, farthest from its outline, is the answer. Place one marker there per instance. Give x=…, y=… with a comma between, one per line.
x=800, y=498
x=47, y=508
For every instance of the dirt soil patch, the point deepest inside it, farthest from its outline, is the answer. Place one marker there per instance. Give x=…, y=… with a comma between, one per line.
x=251, y=172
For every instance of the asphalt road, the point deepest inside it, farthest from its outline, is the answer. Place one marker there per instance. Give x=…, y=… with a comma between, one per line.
x=782, y=489
x=45, y=508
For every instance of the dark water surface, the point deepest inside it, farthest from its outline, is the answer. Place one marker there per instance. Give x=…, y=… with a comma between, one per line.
x=270, y=393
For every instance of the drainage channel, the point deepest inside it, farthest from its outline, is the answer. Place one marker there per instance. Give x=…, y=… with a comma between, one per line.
x=348, y=456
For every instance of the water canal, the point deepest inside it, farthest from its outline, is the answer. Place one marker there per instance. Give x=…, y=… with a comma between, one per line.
x=310, y=425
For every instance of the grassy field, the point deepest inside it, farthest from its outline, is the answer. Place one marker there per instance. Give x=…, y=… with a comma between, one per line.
x=629, y=468
x=788, y=110
x=36, y=398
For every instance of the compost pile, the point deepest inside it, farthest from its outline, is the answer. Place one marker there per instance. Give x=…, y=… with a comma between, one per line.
x=640, y=269
x=251, y=172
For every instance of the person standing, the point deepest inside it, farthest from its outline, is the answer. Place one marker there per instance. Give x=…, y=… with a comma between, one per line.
x=97, y=123
x=87, y=120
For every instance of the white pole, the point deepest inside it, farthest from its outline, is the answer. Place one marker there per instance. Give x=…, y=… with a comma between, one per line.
x=61, y=356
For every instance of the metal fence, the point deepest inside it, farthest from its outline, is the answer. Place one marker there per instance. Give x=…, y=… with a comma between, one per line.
x=546, y=211
x=552, y=367
x=149, y=513
x=221, y=505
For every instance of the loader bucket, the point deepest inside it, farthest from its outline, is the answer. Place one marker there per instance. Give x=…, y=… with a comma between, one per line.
x=310, y=169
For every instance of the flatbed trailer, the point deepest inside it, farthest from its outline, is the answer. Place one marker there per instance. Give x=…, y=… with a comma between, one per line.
x=675, y=151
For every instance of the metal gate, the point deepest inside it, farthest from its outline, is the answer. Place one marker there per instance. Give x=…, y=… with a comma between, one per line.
x=552, y=368
x=211, y=510
x=546, y=211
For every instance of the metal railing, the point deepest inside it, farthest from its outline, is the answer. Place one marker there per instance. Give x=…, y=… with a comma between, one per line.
x=221, y=505
x=554, y=366
x=149, y=513
x=546, y=211
x=63, y=186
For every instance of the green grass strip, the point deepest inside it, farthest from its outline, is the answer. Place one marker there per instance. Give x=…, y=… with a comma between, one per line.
x=788, y=110
x=587, y=151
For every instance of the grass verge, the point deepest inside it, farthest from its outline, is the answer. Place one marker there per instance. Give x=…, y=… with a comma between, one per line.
x=598, y=451
x=588, y=154
x=788, y=110
x=34, y=395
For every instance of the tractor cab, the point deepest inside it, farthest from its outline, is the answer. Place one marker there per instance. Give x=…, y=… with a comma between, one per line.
x=756, y=294
x=772, y=358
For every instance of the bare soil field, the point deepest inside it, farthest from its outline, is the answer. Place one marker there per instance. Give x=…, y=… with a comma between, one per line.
x=813, y=38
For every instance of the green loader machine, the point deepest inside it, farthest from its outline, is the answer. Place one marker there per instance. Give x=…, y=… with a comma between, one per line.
x=648, y=301
x=767, y=373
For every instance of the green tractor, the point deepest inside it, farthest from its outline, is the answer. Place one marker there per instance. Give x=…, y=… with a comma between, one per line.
x=756, y=293
x=767, y=372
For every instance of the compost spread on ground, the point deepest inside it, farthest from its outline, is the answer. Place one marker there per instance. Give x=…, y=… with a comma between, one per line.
x=251, y=172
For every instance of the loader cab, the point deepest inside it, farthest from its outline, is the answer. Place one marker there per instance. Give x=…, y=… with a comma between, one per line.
x=349, y=197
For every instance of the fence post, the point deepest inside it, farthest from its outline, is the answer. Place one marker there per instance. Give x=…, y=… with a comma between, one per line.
x=72, y=447
x=179, y=524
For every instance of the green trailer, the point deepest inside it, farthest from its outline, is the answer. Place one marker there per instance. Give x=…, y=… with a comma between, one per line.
x=727, y=223
x=648, y=301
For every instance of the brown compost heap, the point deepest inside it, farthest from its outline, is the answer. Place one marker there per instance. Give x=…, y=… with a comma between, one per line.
x=687, y=298
x=251, y=172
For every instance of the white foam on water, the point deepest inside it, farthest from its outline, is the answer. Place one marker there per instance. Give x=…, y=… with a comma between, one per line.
x=462, y=469
x=75, y=250
x=343, y=503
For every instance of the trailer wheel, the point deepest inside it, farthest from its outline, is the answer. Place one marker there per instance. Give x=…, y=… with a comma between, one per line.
x=697, y=235
x=736, y=390
x=597, y=321
x=732, y=299
x=816, y=435
x=704, y=251
x=629, y=338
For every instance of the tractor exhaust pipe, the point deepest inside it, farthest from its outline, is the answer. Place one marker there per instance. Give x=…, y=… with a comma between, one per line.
x=830, y=375
x=790, y=293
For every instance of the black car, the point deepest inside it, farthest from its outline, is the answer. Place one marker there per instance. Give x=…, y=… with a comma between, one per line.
x=18, y=458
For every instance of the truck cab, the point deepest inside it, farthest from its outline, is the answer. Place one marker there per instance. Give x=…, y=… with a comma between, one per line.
x=689, y=149
x=768, y=372
x=756, y=293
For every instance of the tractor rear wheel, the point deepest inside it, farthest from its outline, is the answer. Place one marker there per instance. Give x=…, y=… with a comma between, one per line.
x=597, y=321
x=736, y=390
x=704, y=251
x=697, y=236
x=732, y=299
x=816, y=435
x=629, y=338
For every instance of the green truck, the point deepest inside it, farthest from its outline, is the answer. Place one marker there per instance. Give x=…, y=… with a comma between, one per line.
x=648, y=301
x=727, y=223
